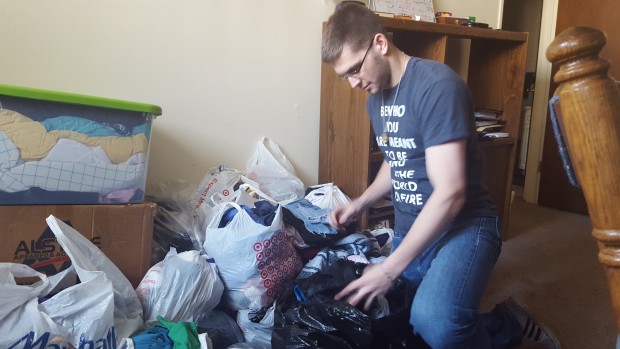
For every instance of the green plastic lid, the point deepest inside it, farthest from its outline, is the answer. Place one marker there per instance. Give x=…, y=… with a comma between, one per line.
x=65, y=97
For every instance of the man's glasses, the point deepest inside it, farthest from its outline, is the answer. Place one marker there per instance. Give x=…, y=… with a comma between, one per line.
x=356, y=69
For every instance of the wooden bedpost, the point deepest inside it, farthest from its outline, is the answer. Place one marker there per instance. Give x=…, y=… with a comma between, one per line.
x=589, y=117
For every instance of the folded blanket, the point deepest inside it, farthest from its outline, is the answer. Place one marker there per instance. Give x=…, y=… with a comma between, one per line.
x=16, y=175
x=34, y=141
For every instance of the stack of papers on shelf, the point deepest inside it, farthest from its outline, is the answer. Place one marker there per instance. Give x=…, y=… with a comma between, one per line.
x=489, y=128
x=487, y=114
x=489, y=121
x=497, y=135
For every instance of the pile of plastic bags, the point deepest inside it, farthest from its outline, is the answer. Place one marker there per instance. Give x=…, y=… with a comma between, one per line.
x=233, y=267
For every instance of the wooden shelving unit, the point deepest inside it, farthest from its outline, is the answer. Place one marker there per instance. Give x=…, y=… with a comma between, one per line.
x=492, y=62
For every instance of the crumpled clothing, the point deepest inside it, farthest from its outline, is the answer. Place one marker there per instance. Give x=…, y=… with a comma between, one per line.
x=262, y=212
x=153, y=338
x=183, y=334
x=311, y=222
x=166, y=335
x=354, y=244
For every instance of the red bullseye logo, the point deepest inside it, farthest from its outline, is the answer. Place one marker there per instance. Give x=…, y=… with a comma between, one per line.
x=276, y=262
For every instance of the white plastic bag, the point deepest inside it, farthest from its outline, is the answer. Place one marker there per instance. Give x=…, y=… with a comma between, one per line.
x=247, y=194
x=219, y=182
x=257, y=334
x=327, y=196
x=273, y=172
x=22, y=324
x=96, y=312
x=255, y=261
x=182, y=287
x=251, y=189
x=91, y=264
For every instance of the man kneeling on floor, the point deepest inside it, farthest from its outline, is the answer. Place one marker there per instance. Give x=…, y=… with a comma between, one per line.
x=447, y=235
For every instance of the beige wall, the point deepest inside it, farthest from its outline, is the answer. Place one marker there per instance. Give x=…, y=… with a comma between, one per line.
x=224, y=72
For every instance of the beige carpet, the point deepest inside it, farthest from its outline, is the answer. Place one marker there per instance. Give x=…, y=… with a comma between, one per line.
x=549, y=261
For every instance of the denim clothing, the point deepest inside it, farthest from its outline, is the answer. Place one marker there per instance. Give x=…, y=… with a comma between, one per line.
x=356, y=244
x=311, y=222
x=231, y=212
x=315, y=218
x=262, y=212
x=266, y=211
x=449, y=279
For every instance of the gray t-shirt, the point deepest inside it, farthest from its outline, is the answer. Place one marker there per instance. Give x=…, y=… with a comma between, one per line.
x=433, y=106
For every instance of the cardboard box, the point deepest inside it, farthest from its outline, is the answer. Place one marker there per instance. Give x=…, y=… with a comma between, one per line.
x=123, y=232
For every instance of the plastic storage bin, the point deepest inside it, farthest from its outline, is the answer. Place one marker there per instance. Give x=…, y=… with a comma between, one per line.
x=64, y=148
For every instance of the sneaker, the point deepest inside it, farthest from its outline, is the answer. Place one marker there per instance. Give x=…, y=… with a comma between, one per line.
x=533, y=329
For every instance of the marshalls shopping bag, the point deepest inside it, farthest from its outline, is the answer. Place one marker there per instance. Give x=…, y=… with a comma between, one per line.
x=21, y=322
x=255, y=261
x=273, y=172
x=102, y=308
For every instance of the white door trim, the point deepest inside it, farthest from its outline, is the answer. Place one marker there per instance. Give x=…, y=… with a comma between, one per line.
x=541, y=99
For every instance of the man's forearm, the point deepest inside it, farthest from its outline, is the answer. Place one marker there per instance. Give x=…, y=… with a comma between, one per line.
x=379, y=188
x=440, y=210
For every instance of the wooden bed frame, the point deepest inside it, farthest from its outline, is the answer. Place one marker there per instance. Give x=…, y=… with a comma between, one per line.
x=589, y=120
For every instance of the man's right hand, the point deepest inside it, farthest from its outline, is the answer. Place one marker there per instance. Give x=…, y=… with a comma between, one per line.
x=341, y=216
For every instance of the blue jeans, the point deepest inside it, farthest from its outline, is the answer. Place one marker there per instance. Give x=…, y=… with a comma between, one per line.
x=449, y=279
x=315, y=219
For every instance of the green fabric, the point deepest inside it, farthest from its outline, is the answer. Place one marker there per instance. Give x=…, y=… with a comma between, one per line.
x=183, y=334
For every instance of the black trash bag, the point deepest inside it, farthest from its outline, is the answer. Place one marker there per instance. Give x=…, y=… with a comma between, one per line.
x=394, y=331
x=169, y=230
x=221, y=328
x=333, y=324
x=295, y=337
x=325, y=284
x=307, y=316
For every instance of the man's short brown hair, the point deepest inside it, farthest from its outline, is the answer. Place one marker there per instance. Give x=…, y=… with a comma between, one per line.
x=351, y=24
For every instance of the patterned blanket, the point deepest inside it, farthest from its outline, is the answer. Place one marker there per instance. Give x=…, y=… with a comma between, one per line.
x=17, y=175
